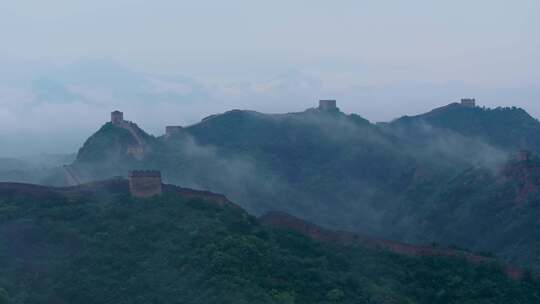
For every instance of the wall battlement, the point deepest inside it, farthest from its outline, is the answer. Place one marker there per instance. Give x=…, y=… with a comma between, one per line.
x=144, y=173
x=145, y=183
x=468, y=102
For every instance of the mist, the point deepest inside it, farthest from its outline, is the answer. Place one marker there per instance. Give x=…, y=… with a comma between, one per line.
x=171, y=62
x=70, y=102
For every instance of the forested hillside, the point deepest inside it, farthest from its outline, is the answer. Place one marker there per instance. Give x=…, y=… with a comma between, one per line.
x=434, y=178
x=505, y=128
x=97, y=244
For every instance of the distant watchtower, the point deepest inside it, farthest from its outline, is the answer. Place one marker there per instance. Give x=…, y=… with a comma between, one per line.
x=117, y=117
x=327, y=105
x=468, y=102
x=145, y=184
x=173, y=130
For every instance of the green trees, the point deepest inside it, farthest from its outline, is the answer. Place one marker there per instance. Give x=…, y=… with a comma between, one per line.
x=173, y=249
x=4, y=298
x=340, y=171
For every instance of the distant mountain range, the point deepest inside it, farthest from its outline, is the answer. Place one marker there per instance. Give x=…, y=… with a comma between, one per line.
x=455, y=176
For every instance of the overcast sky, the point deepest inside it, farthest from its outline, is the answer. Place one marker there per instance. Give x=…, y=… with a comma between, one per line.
x=64, y=64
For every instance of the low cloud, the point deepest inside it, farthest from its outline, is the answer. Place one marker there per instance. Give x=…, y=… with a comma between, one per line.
x=69, y=102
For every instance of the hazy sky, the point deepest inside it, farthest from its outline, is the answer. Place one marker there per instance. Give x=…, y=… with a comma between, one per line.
x=64, y=64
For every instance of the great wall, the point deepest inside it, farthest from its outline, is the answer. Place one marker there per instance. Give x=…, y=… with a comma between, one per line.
x=71, y=177
x=139, y=150
x=144, y=184
x=468, y=102
x=283, y=220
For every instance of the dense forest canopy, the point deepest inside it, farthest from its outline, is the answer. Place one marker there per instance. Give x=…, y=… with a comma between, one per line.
x=97, y=244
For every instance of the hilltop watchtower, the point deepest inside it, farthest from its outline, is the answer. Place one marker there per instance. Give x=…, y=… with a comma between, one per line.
x=173, y=130
x=117, y=117
x=327, y=105
x=468, y=102
x=144, y=184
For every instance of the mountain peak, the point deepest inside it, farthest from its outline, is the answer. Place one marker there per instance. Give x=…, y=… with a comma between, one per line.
x=116, y=138
x=507, y=128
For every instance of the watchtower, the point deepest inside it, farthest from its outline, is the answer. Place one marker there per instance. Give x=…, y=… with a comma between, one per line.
x=327, y=105
x=468, y=102
x=117, y=117
x=144, y=184
x=173, y=130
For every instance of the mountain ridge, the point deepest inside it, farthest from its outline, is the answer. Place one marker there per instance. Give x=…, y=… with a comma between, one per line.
x=508, y=128
x=285, y=221
x=102, y=248
x=343, y=172
x=340, y=171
